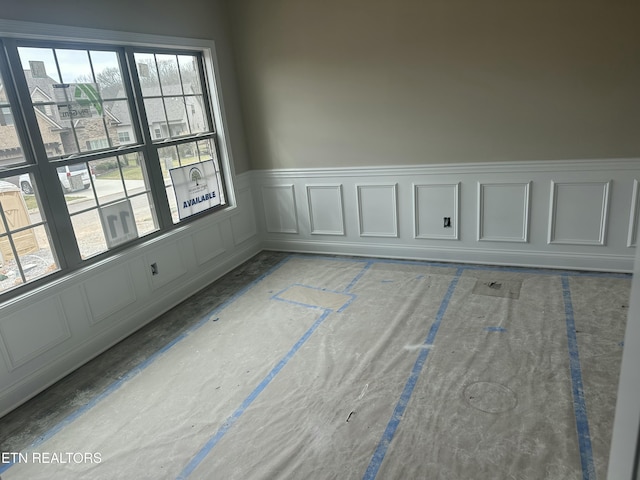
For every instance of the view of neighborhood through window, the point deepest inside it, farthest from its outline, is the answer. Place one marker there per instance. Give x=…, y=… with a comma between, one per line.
x=25, y=248
x=91, y=156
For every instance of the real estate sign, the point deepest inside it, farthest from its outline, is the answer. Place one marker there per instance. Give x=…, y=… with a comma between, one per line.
x=196, y=188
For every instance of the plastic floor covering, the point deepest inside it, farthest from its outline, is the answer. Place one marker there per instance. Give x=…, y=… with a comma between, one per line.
x=330, y=368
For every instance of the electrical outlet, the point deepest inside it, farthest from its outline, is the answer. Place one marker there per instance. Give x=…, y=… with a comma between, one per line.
x=154, y=269
x=447, y=222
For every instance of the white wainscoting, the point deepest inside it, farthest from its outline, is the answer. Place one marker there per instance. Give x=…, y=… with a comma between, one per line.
x=579, y=214
x=50, y=332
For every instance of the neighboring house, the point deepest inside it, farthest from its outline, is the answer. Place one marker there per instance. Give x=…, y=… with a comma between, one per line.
x=61, y=136
x=177, y=115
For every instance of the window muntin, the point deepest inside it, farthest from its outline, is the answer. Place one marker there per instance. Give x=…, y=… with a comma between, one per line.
x=26, y=252
x=93, y=200
x=79, y=98
x=96, y=167
x=173, y=95
x=10, y=148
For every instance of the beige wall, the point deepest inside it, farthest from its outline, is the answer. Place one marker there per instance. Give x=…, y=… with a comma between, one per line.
x=182, y=18
x=381, y=82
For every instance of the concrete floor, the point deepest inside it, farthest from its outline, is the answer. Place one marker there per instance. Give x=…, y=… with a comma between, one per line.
x=23, y=426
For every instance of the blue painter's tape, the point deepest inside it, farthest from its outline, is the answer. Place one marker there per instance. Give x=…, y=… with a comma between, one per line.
x=401, y=406
x=579, y=404
x=308, y=305
x=495, y=329
x=140, y=367
x=359, y=276
x=213, y=441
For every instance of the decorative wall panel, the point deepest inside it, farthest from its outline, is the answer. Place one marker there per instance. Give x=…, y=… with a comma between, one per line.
x=109, y=292
x=33, y=330
x=437, y=211
x=325, y=209
x=378, y=210
x=280, y=208
x=503, y=212
x=578, y=213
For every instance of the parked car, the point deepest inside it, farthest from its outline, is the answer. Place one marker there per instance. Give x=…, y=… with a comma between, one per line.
x=72, y=178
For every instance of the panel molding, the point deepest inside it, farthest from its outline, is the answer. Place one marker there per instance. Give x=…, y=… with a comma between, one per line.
x=364, y=216
x=553, y=214
x=279, y=224
x=53, y=310
x=527, y=227
x=170, y=267
x=337, y=188
x=213, y=236
x=455, y=227
x=96, y=316
x=633, y=215
x=526, y=196
x=243, y=224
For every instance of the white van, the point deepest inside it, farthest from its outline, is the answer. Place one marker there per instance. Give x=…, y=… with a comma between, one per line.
x=72, y=178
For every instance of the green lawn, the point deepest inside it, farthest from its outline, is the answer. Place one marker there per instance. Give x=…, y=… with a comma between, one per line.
x=32, y=204
x=129, y=173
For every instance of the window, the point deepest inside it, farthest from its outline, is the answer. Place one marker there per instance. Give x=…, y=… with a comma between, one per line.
x=120, y=139
x=6, y=116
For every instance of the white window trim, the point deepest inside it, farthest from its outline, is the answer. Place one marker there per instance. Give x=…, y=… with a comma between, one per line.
x=24, y=30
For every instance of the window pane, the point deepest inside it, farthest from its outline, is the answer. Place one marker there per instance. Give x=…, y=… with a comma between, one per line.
x=168, y=159
x=157, y=118
x=177, y=116
x=107, y=74
x=41, y=66
x=10, y=148
x=145, y=217
x=36, y=264
x=71, y=112
x=196, y=114
x=190, y=74
x=73, y=178
x=118, y=118
x=169, y=74
x=88, y=230
x=25, y=250
x=148, y=74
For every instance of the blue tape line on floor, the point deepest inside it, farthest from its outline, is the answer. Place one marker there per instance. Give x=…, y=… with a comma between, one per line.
x=579, y=404
x=308, y=305
x=401, y=406
x=495, y=329
x=213, y=441
x=140, y=367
